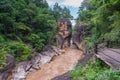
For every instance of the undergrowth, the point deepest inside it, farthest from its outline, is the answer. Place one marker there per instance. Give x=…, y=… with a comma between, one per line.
x=94, y=71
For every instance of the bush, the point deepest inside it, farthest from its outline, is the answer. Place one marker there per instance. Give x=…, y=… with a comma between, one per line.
x=37, y=41
x=19, y=50
x=2, y=58
x=3, y=53
x=92, y=71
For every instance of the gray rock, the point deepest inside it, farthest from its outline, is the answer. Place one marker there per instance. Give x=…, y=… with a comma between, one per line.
x=19, y=73
x=45, y=59
x=36, y=62
x=23, y=68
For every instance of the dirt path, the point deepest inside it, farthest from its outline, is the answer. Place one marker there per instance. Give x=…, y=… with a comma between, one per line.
x=60, y=65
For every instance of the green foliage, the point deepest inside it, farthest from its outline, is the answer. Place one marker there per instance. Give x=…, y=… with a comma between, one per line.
x=59, y=12
x=114, y=34
x=19, y=50
x=89, y=42
x=23, y=22
x=37, y=41
x=92, y=71
x=103, y=17
x=21, y=26
x=5, y=5
x=1, y=39
x=2, y=53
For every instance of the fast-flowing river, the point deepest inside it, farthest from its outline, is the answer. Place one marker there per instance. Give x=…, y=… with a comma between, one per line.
x=58, y=66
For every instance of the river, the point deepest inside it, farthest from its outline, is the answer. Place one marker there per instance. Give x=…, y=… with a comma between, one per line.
x=58, y=66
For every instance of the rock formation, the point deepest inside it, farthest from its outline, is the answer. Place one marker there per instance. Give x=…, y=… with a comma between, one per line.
x=23, y=68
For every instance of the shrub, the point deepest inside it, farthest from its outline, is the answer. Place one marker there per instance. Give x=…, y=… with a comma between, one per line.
x=2, y=53
x=92, y=71
x=37, y=41
x=2, y=58
x=19, y=50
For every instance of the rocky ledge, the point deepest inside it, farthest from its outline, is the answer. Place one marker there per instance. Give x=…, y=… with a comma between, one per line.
x=23, y=68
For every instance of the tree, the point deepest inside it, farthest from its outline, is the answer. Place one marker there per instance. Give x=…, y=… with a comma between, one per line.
x=102, y=16
x=59, y=12
x=66, y=13
x=24, y=22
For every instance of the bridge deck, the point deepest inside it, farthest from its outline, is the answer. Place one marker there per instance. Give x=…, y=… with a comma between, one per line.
x=110, y=56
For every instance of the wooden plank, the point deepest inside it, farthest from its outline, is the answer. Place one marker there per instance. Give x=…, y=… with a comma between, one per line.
x=110, y=61
x=105, y=60
x=112, y=54
x=109, y=58
x=115, y=50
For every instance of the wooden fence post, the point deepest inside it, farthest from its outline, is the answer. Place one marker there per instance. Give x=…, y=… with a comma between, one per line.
x=95, y=47
x=95, y=51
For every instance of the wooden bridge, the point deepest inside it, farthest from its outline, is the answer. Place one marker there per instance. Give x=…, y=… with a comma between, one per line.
x=110, y=56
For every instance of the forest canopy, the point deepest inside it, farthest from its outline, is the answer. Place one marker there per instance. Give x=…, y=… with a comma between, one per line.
x=27, y=25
